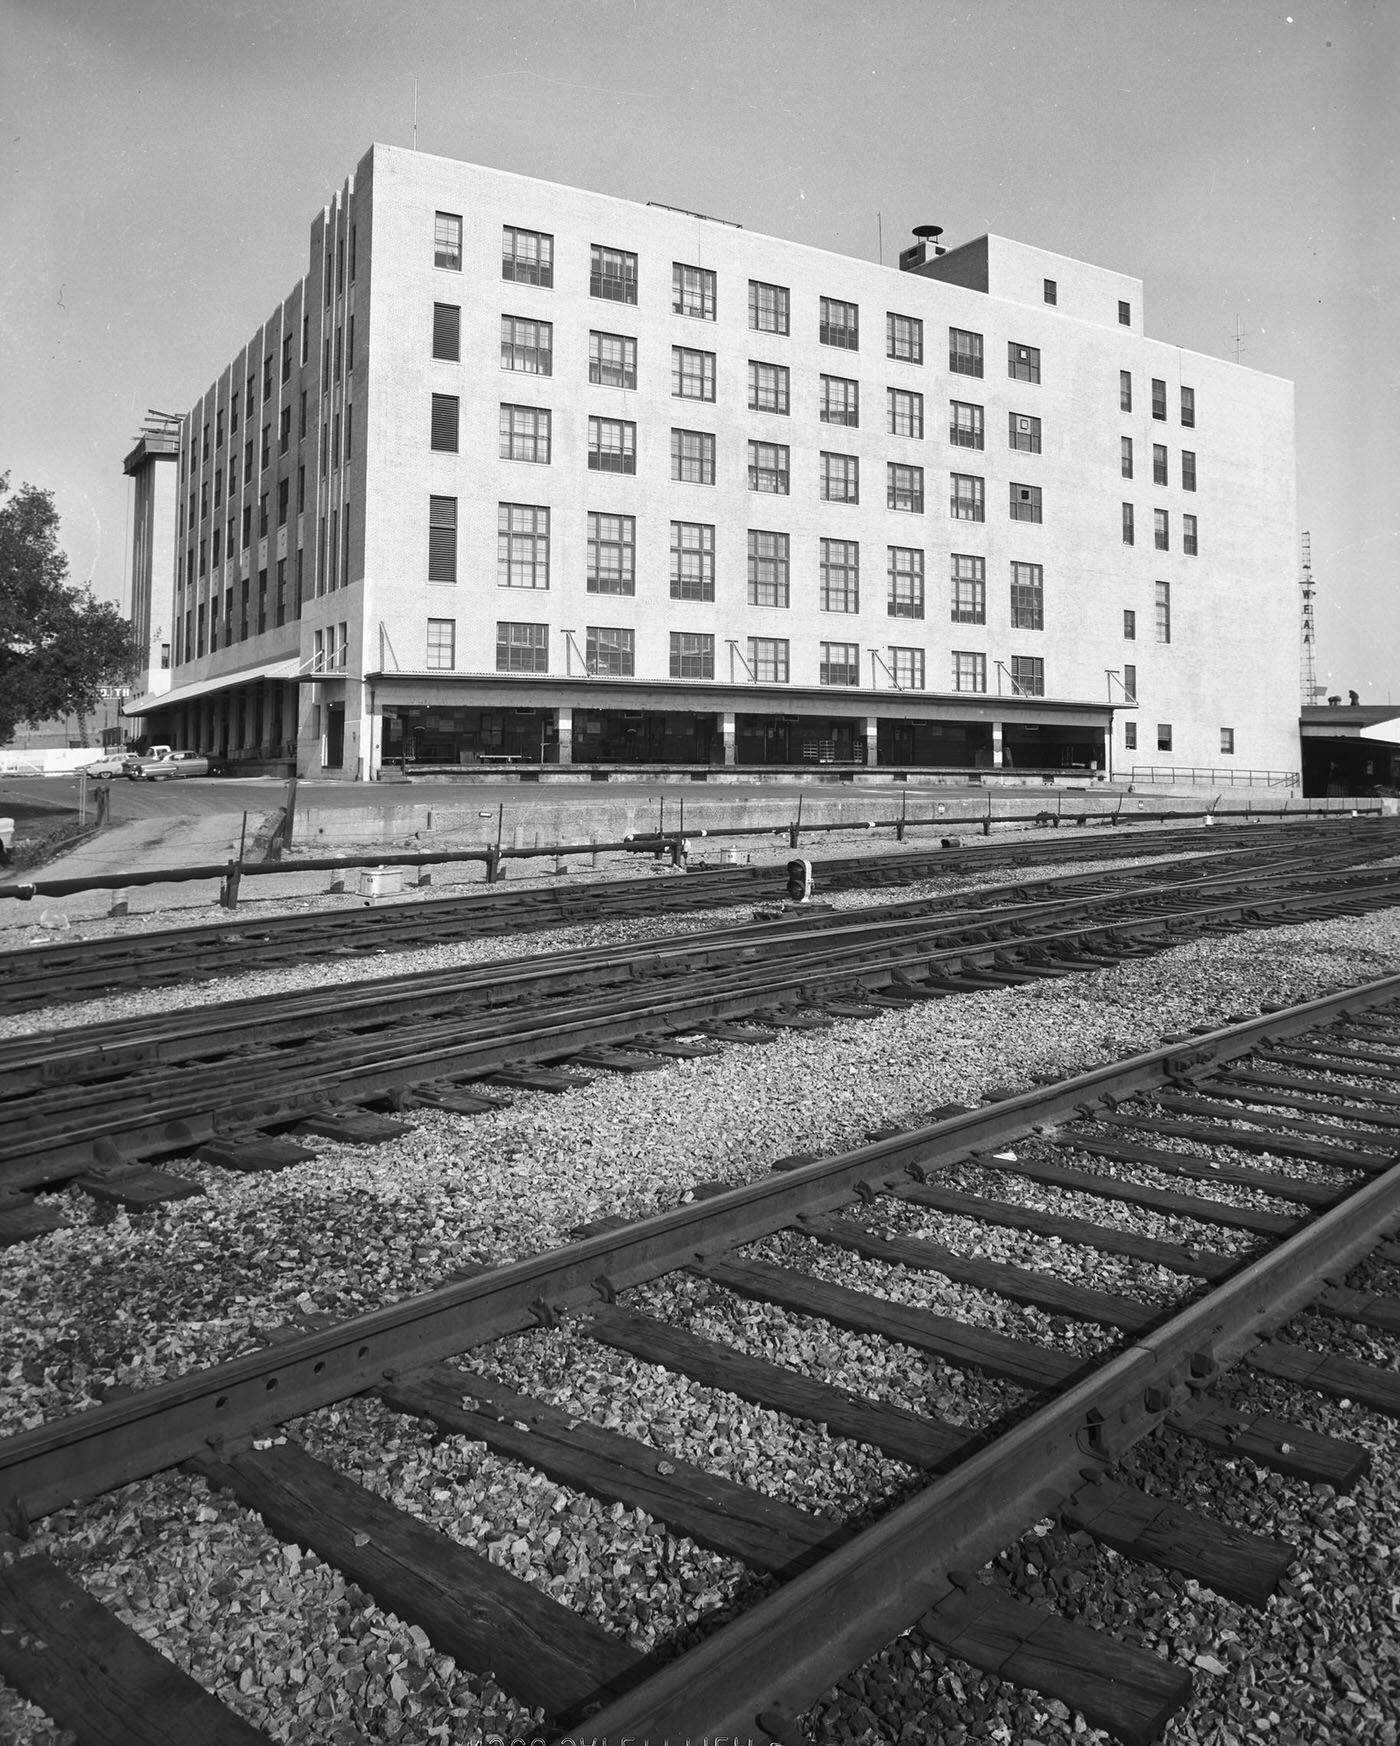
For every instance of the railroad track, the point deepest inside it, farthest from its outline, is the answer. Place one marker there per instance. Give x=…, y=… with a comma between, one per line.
x=1271, y=1143
x=255, y=1085
x=74, y=970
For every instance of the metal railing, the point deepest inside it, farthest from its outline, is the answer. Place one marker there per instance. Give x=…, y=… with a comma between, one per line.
x=1203, y=776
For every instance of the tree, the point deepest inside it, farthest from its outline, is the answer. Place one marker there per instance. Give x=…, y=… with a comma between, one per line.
x=59, y=646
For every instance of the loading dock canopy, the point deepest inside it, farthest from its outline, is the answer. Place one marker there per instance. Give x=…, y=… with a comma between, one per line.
x=154, y=700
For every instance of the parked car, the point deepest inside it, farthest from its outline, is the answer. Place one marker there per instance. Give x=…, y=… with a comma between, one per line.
x=169, y=765
x=110, y=764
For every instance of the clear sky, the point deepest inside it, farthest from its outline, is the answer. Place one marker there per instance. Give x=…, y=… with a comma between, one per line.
x=164, y=159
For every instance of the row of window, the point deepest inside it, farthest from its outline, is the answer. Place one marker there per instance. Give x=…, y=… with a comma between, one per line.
x=840, y=404
x=527, y=257
x=244, y=613
x=609, y=651
x=1164, y=738
x=1159, y=398
x=1160, y=466
x=1162, y=531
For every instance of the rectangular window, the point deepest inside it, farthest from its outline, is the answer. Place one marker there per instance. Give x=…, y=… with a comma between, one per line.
x=262, y=517
x=442, y=644
x=1025, y=503
x=1125, y=314
x=1129, y=736
x=527, y=345
x=1159, y=398
x=267, y=378
x=522, y=648
x=301, y=498
x=967, y=502
x=1164, y=612
x=1159, y=463
x=1126, y=449
x=217, y=549
x=1129, y=625
x=905, y=487
x=247, y=525
x=840, y=478
x=612, y=445
x=1188, y=469
x=692, y=560
x=969, y=671
x=693, y=456
x=612, y=360
x=284, y=491
x=1125, y=391
x=522, y=545
x=692, y=374
x=768, y=468
x=233, y=413
x=526, y=433
x=610, y=652
x=768, y=387
x=262, y=601
x=447, y=410
x=1051, y=290
x=447, y=243
x=1127, y=524
x=1028, y=675
x=840, y=664
x=968, y=591
x=612, y=274
x=839, y=324
x=1227, y=742
x=447, y=332
x=905, y=412
x=840, y=576
x=964, y=352
x=965, y=428
x=1023, y=362
x=1161, y=531
x=692, y=655
x=265, y=452
x=768, y=568
x=612, y=554
x=904, y=338
x=219, y=428
x=1023, y=432
x=1164, y=736
x=1188, y=407
x=768, y=660
x=905, y=596
x=301, y=417
x=907, y=668
x=286, y=357
x=1130, y=681
x=527, y=256
x=768, y=307
x=840, y=402
x=692, y=291
x=1188, y=535
x=1027, y=597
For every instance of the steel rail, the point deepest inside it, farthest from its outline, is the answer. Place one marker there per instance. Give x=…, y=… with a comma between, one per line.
x=31, y=1060
x=179, y=1112
x=59, y=1463
x=755, y=1675
x=186, y=1108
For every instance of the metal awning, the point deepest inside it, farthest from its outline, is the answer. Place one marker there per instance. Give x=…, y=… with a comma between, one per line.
x=287, y=669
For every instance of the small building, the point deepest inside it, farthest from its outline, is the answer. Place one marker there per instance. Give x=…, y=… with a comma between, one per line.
x=521, y=473
x=1350, y=748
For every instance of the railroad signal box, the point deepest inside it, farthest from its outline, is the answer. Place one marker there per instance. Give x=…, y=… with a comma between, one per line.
x=799, y=881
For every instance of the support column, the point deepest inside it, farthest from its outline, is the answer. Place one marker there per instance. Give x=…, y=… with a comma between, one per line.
x=996, y=745
x=726, y=728
x=565, y=728
x=872, y=741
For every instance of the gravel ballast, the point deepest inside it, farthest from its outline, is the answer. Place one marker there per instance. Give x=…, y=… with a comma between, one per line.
x=121, y=1301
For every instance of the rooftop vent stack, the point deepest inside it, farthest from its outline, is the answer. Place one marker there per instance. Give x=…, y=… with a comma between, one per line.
x=917, y=253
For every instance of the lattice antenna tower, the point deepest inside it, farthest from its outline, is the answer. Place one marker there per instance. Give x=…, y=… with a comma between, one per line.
x=1308, y=675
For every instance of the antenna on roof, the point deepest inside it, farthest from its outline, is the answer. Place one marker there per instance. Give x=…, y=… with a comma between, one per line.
x=1240, y=346
x=415, y=115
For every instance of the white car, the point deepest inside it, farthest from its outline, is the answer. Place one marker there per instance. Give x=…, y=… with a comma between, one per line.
x=110, y=764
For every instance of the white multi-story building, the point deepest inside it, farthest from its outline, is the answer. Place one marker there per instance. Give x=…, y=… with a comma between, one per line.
x=519, y=471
